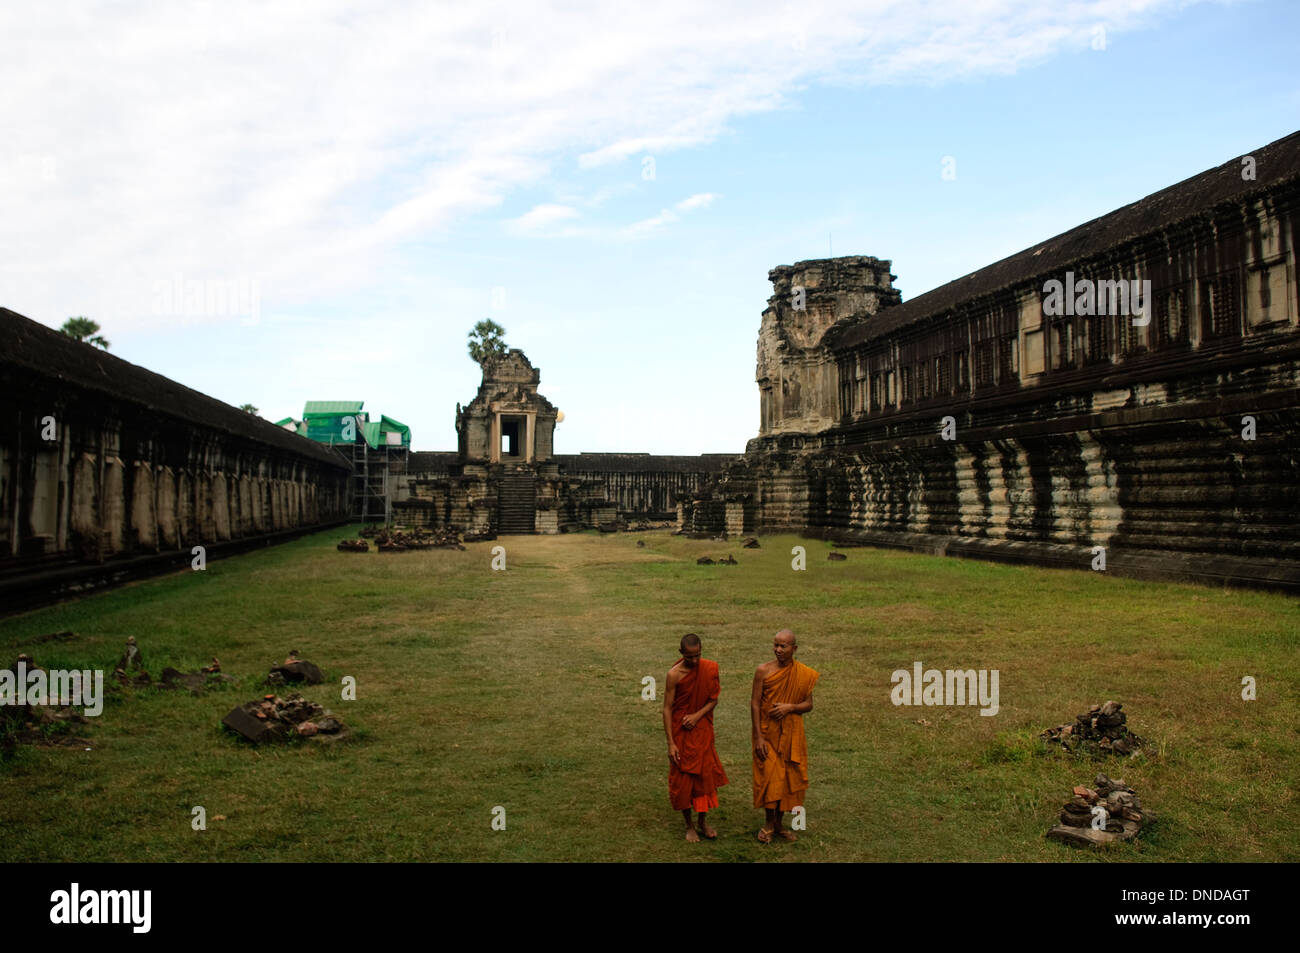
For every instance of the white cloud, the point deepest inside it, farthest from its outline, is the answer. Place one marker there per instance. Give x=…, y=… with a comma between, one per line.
x=668, y=216
x=303, y=145
x=699, y=200
x=540, y=217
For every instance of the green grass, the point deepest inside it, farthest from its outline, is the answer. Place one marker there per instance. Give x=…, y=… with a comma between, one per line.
x=523, y=689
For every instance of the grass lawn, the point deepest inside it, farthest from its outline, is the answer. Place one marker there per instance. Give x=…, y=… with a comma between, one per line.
x=523, y=689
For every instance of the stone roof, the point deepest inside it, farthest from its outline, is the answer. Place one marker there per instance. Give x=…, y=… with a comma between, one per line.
x=33, y=347
x=1275, y=164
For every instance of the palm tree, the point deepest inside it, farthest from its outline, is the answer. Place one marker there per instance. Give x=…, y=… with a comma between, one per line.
x=486, y=340
x=86, y=330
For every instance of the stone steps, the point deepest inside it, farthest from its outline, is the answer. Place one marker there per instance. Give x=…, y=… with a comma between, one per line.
x=517, y=504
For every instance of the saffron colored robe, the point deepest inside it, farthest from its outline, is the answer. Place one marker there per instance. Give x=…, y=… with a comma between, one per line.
x=782, y=777
x=695, y=780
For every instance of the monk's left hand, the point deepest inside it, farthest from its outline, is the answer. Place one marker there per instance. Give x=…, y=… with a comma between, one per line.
x=689, y=721
x=781, y=709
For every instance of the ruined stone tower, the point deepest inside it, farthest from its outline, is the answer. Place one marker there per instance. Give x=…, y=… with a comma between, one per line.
x=796, y=370
x=507, y=422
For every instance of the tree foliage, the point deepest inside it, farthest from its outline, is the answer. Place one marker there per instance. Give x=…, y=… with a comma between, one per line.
x=85, y=330
x=487, y=340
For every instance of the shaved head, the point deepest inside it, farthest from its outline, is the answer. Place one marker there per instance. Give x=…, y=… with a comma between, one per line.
x=690, y=641
x=783, y=646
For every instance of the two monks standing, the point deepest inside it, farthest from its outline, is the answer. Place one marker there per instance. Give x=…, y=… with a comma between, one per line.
x=782, y=695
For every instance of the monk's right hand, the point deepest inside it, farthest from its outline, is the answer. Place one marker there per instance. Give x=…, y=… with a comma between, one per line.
x=673, y=754
x=760, y=750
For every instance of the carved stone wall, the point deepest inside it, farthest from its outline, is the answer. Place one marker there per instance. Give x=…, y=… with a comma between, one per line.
x=978, y=419
x=101, y=459
x=795, y=371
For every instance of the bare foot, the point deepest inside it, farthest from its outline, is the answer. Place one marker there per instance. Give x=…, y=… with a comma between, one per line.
x=691, y=836
x=765, y=835
x=786, y=835
x=708, y=832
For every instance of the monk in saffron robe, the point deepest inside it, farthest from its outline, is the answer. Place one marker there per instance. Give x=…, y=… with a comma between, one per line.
x=782, y=696
x=694, y=771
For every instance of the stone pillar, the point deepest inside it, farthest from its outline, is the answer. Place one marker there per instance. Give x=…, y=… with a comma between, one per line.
x=735, y=519
x=144, y=521
x=165, y=507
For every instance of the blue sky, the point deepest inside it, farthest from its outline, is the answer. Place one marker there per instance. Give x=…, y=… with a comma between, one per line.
x=385, y=175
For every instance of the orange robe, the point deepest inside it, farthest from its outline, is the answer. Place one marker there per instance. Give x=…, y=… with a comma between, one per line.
x=782, y=777
x=695, y=780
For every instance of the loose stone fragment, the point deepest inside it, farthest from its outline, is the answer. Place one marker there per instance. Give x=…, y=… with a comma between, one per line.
x=273, y=718
x=1124, y=815
x=295, y=669
x=1102, y=728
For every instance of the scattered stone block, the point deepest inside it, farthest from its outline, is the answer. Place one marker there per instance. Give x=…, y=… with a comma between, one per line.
x=1102, y=728
x=1125, y=817
x=246, y=723
x=836, y=557
x=295, y=670
x=64, y=636
x=131, y=657
x=273, y=718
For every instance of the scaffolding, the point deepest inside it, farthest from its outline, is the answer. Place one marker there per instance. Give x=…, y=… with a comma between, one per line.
x=372, y=481
x=375, y=449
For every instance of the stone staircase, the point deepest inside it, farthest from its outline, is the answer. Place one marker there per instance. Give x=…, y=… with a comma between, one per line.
x=517, y=503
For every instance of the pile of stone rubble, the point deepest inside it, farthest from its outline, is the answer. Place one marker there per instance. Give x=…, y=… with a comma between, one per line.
x=727, y=560
x=294, y=669
x=30, y=724
x=1105, y=814
x=391, y=541
x=273, y=718
x=353, y=546
x=1101, y=727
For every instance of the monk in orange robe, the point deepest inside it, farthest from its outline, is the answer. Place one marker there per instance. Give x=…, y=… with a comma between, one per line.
x=694, y=771
x=782, y=696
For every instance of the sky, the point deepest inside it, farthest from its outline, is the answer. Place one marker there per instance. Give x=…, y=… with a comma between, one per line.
x=280, y=202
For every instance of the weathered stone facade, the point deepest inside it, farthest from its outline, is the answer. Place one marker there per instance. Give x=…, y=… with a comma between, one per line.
x=505, y=478
x=507, y=410
x=101, y=461
x=971, y=420
x=796, y=368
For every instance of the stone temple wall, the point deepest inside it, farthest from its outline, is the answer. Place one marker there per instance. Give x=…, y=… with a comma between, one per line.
x=642, y=485
x=974, y=420
x=102, y=460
